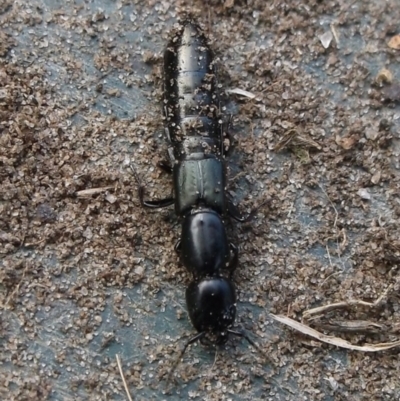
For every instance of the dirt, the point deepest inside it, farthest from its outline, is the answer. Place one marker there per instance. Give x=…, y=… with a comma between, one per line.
x=87, y=274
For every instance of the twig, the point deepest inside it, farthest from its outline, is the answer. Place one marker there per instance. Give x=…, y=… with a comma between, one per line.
x=291, y=208
x=338, y=305
x=238, y=175
x=334, y=208
x=339, y=342
x=330, y=276
x=292, y=138
x=215, y=359
x=345, y=304
x=342, y=245
x=16, y=289
x=329, y=255
x=123, y=378
x=355, y=326
x=383, y=296
x=241, y=92
x=335, y=34
x=85, y=193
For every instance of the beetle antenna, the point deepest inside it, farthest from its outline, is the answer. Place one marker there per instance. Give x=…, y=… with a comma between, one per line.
x=244, y=335
x=192, y=340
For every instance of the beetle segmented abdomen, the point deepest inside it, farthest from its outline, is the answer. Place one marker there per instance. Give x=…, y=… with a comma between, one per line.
x=191, y=103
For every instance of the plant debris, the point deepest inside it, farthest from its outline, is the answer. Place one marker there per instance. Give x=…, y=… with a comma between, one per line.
x=293, y=139
x=241, y=92
x=339, y=342
x=87, y=274
x=384, y=76
x=394, y=42
x=326, y=39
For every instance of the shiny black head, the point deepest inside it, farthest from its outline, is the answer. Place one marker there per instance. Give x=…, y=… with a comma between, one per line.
x=211, y=303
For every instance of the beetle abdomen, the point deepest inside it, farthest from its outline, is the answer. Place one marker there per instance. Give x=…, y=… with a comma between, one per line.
x=190, y=100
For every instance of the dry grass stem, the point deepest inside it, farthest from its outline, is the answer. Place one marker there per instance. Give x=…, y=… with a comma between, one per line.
x=292, y=139
x=123, y=378
x=339, y=342
x=87, y=193
x=346, y=304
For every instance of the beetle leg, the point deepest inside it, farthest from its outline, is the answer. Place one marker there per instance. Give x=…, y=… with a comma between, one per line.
x=166, y=166
x=191, y=340
x=244, y=335
x=177, y=246
x=226, y=134
x=155, y=204
x=234, y=212
x=152, y=204
x=233, y=262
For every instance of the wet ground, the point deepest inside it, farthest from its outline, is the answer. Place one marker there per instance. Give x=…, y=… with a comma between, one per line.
x=86, y=274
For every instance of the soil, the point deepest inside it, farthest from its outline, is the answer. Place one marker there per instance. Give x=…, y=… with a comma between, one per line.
x=87, y=274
